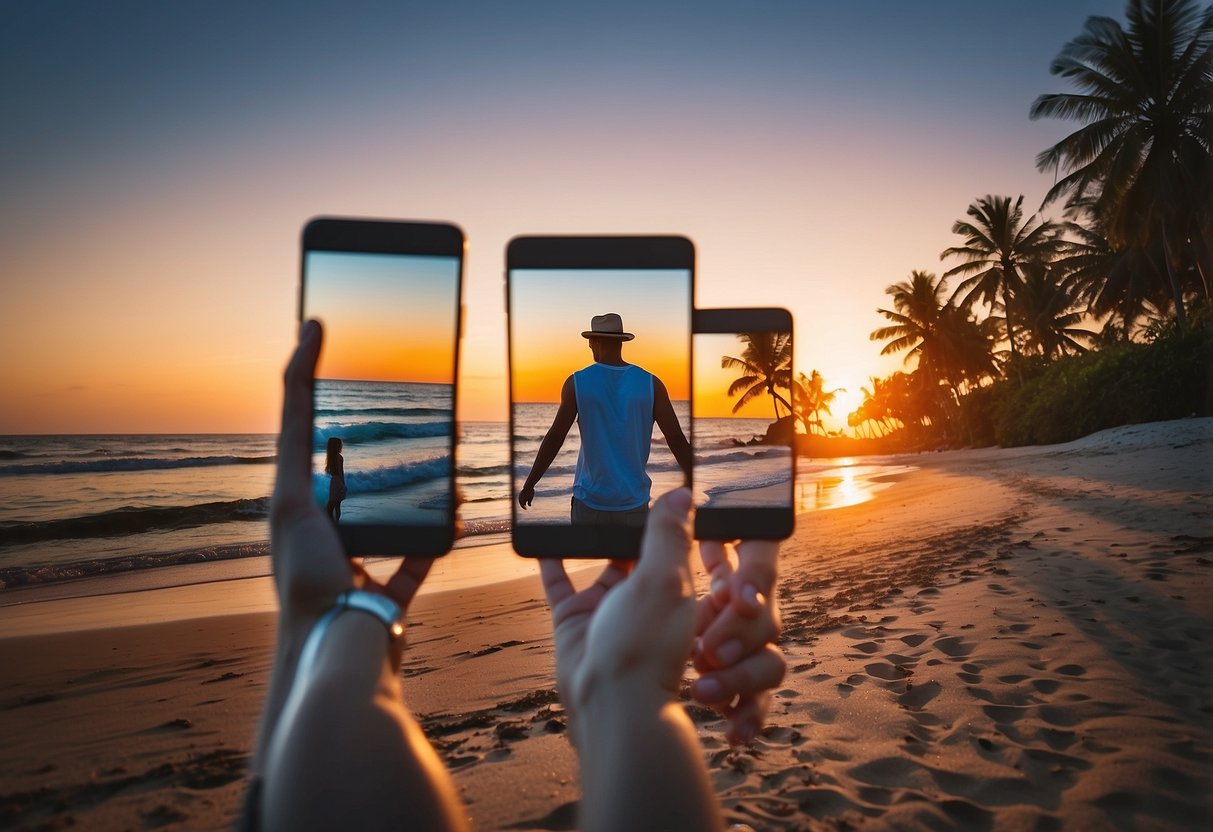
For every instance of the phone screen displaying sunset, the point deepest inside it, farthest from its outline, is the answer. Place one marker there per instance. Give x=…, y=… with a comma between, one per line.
x=550, y=309
x=745, y=420
x=384, y=391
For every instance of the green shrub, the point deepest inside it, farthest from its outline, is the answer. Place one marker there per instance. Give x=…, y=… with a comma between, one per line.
x=1127, y=383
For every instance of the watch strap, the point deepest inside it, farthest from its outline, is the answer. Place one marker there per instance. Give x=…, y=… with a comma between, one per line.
x=380, y=606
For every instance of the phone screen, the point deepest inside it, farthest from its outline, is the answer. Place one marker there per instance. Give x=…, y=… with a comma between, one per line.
x=600, y=388
x=745, y=424
x=384, y=397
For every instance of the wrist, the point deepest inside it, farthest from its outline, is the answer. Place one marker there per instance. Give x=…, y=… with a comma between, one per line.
x=604, y=708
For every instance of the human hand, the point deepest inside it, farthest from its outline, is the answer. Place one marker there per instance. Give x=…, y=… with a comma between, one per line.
x=310, y=566
x=738, y=624
x=627, y=640
x=526, y=496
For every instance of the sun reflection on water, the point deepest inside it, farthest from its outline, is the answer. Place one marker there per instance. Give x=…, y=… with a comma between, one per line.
x=845, y=483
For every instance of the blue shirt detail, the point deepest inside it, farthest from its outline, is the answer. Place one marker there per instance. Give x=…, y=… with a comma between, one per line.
x=615, y=419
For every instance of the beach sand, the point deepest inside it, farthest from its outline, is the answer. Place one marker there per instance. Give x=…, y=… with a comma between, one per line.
x=1003, y=638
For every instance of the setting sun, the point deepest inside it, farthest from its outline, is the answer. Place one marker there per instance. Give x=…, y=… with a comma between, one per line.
x=846, y=401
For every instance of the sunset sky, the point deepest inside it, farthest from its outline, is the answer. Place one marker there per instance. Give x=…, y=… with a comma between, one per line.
x=712, y=381
x=158, y=161
x=550, y=308
x=385, y=317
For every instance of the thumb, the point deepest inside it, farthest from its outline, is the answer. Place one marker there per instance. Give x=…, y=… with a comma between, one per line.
x=666, y=547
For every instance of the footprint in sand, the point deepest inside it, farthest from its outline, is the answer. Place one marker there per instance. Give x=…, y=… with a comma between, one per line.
x=1058, y=715
x=914, y=640
x=918, y=696
x=1047, y=687
x=953, y=646
x=886, y=671
x=1072, y=670
x=1056, y=739
x=1003, y=713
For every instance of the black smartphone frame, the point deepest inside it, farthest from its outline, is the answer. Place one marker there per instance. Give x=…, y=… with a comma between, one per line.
x=745, y=523
x=588, y=253
x=380, y=236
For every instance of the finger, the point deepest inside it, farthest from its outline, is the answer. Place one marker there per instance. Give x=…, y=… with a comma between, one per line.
x=754, y=581
x=731, y=636
x=706, y=610
x=746, y=718
x=403, y=585
x=663, y=572
x=557, y=587
x=712, y=553
x=293, y=487
x=624, y=566
x=610, y=577
x=718, y=565
x=667, y=534
x=750, y=677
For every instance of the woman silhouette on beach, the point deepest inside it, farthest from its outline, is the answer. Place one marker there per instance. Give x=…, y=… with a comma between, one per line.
x=334, y=466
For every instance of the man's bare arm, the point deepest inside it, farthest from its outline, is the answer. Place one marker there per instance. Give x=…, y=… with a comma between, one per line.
x=552, y=442
x=667, y=420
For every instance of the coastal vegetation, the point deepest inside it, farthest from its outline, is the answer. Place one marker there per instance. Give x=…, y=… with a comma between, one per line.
x=1046, y=328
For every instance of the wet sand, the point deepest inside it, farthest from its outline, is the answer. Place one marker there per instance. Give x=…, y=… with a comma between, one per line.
x=1011, y=639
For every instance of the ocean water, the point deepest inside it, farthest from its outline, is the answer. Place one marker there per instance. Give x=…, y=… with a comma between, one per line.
x=555, y=489
x=396, y=441
x=75, y=506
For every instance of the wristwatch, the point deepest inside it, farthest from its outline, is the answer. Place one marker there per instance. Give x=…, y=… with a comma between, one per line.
x=380, y=606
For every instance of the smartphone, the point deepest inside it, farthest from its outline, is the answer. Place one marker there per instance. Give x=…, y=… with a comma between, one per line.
x=600, y=386
x=744, y=419
x=388, y=295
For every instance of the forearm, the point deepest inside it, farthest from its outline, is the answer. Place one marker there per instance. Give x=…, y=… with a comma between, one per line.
x=351, y=735
x=642, y=766
x=682, y=453
x=548, y=448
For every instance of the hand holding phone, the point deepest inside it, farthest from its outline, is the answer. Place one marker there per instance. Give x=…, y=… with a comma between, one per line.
x=388, y=295
x=737, y=624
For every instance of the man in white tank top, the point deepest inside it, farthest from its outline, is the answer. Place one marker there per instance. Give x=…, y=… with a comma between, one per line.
x=615, y=405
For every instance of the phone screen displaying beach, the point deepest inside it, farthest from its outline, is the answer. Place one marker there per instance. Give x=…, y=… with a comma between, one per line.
x=744, y=420
x=384, y=395
x=615, y=345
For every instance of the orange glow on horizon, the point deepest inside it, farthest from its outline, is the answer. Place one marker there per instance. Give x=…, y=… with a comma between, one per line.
x=379, y=355
x=551, y=308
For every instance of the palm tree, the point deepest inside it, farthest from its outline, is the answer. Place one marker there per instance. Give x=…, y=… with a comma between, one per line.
x=999, y=245
x=967, y=346
x=1124, y=285
x=812, y=399
x=916, y=314
x=765, y=364
x=1142, y=160
x=875, y=406
x=1046, y=307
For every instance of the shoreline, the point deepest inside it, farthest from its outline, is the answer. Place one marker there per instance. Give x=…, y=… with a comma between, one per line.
x=251, y=559
x=1006, y=638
